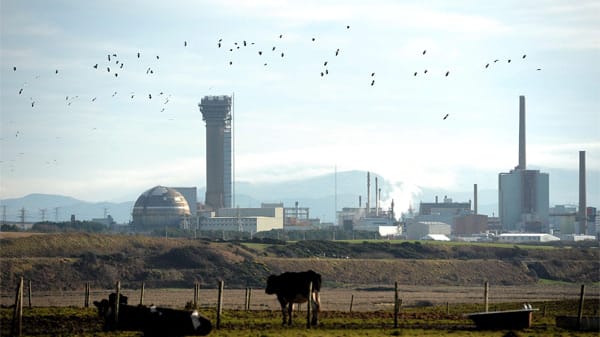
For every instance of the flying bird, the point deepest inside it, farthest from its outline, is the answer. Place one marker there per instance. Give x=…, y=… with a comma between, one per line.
x=138, y=54
x=372, y=82
x=508, y=60
x=487, y=65
x=425, y=72
x=372, y=74
x=108, y=69
x=524, y=55
x=14, y=68
x=313, y=38
x=94, y=99
x=424, y=51
x=538, y=69
x=325, y=64
x=96, y=66
x=280, y=36
x=273, y=48
x=326, y=72
x=415, y=74
x=20, y=91
x=260, y=52
x=185, y=43
x=121, y=65
x=281, y=54
x=32, y=104
x=56, y=71
x=447, y=73
x=219, y=44
x=445, y=117
x=337, y=52
x=116, y=75
x=157, y=57
x=244, y=43
x=322, y=74
x=347, y=27
x=230, y=62
x=496, y=60
x=108, y=57
x=149, y=96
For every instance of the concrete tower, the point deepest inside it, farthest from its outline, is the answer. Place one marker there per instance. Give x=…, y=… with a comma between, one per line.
x=582, y=214
x=216, y=112
x=523, y=198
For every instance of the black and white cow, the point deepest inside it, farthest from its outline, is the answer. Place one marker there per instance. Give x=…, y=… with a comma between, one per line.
x=152, y=321
x=292, y=287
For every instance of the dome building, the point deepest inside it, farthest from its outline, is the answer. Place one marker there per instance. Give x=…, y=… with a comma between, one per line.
x=159, y=207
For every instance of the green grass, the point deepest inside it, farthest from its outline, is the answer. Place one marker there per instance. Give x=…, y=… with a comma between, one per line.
x=424, y=321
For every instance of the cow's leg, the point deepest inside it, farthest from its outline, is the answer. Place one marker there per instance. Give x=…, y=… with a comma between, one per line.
x=315, y=306
x=290, y=309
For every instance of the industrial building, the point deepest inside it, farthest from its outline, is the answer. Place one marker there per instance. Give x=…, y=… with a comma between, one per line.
x=416, y=230
x=160, y=207
x=523, y=195
x=250, y=220
x=526, y=237
x=217, y=113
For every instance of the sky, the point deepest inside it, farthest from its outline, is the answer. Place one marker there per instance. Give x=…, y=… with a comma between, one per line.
x=72, y=129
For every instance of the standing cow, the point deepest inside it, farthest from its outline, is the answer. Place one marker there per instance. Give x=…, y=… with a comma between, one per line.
x=292, y=287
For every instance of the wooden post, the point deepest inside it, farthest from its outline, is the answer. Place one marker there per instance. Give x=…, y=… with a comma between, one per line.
x=309, y=305
x=447, y=308
x=351, y=302
x=249, y=299
x=17, y=326
x=396, y=307
x=580, y=311
x=485, y=295
x=118, y=286
x=142, y=293
x=86, y=295
x=29, y=293
x=246, y=300
x=220, y=303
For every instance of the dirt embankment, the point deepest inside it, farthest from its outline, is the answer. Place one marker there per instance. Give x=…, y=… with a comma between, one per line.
x=67, y=261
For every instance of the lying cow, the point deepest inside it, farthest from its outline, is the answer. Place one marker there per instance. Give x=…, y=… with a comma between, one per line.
x=291, y=287
x=152, y=321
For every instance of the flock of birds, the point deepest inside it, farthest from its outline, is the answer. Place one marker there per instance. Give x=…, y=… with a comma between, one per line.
x=114, y=66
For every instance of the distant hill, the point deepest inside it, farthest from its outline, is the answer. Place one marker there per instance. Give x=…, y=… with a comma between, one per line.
x=317, y=193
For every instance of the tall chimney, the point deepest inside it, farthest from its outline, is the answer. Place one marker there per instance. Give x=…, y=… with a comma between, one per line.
x=359, y=201
x=368, y=192
x=522, y=161
x=376, y=197
x=475, y=199
x=582, y=199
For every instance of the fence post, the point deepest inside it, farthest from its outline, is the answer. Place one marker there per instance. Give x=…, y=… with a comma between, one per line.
x=351, y=302
x=86, y=295
x=220, y=303
x=396, y=306
x=29, y=293
x=486, y=291
x=118, y=286
x=17, y=323
x=249, y=299
x=580, y=311
x=309, y=305
x=143, y=288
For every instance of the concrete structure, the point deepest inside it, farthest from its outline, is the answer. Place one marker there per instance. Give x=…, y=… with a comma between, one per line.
x=418, y=229
x=523, y=195
x=435, y=237
x=216, y=111
x=562, y=219
x=526, y=237
x=251, y=220
x=446, y=211
x=160, y=207
x=191, y=196
x=582, y=214
x=470, y=224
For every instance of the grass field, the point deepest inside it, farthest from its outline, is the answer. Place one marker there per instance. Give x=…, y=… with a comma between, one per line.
x=421, y=321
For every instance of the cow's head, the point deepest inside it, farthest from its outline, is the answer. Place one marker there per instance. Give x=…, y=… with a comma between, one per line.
x=272, y=285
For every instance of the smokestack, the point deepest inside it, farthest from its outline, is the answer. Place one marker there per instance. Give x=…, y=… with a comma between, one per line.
x=436, y=199
x=475, y=199
x=368, y=191
x=376, y=197
x=522, y=161
x=360, y=201
x=582, y=197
